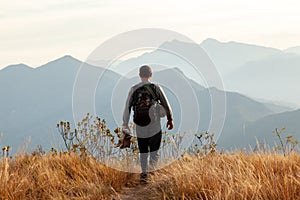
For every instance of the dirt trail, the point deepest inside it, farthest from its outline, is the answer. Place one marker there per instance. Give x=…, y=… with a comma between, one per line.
x=135, y=191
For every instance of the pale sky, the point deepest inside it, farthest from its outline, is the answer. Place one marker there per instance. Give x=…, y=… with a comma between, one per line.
x=37, y=31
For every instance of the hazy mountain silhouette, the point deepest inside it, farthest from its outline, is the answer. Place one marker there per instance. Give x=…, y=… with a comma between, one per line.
x=244, y=68
x=33, y=101
x=253, y=70
x=230, y=56
x=295, y=50
x=167, y=55
x=261, y=130
x=275, y=77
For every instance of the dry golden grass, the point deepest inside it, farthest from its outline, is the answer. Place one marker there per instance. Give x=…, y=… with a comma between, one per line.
x=218, y=176
x=230, y=176
x=62, y=176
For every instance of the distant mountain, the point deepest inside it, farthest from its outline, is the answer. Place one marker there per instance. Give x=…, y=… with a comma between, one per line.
x=230, y=56
x=275, y=77
x=241, y=110
x=227, y=57
x=33, y=101
x=295, y=50
x=170, y=54
x=255, y=71
x=21, y=67
x=262, y=130
x=278, y=108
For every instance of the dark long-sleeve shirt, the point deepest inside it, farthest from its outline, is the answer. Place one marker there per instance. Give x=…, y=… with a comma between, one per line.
x=160, y=95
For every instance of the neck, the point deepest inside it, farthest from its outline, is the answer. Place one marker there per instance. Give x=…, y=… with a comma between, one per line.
x=145, y=79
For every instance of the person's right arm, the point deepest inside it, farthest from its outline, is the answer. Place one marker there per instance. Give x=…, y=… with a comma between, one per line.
x=127, y=109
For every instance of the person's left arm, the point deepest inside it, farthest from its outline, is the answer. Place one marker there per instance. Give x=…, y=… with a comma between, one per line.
x=165, y=103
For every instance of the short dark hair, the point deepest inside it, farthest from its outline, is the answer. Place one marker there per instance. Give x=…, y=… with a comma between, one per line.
x=145, y=71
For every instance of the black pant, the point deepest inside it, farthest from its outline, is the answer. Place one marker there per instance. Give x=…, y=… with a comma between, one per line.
x=147, y=145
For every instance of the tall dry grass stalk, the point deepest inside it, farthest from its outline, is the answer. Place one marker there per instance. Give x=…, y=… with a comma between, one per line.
x=61, y=176
x=230, y=176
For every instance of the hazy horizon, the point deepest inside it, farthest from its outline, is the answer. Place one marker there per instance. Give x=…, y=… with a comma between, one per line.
x=43, y=62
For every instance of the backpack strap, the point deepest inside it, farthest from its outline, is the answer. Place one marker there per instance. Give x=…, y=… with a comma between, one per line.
x=151, y=92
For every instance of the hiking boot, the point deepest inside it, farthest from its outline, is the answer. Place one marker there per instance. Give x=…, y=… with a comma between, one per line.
x=143, y=179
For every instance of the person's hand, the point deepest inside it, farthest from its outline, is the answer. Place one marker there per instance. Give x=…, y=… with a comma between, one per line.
x=170, y=125
x=125, y=127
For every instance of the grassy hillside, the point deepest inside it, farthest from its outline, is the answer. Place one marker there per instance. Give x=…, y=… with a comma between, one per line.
x=231, y=176
x=217, y=176
x=60, y=176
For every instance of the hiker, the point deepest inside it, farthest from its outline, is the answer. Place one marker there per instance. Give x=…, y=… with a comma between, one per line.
x=149, y=104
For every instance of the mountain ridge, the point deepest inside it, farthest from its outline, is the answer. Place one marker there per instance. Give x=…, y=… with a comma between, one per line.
x=262, y=129
x=215, y=41
x=44, y=97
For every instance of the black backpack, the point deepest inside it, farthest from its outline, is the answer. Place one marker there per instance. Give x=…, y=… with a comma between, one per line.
x=143, y=98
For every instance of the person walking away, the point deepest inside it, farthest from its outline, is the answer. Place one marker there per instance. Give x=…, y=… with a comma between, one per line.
x=149, y=104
